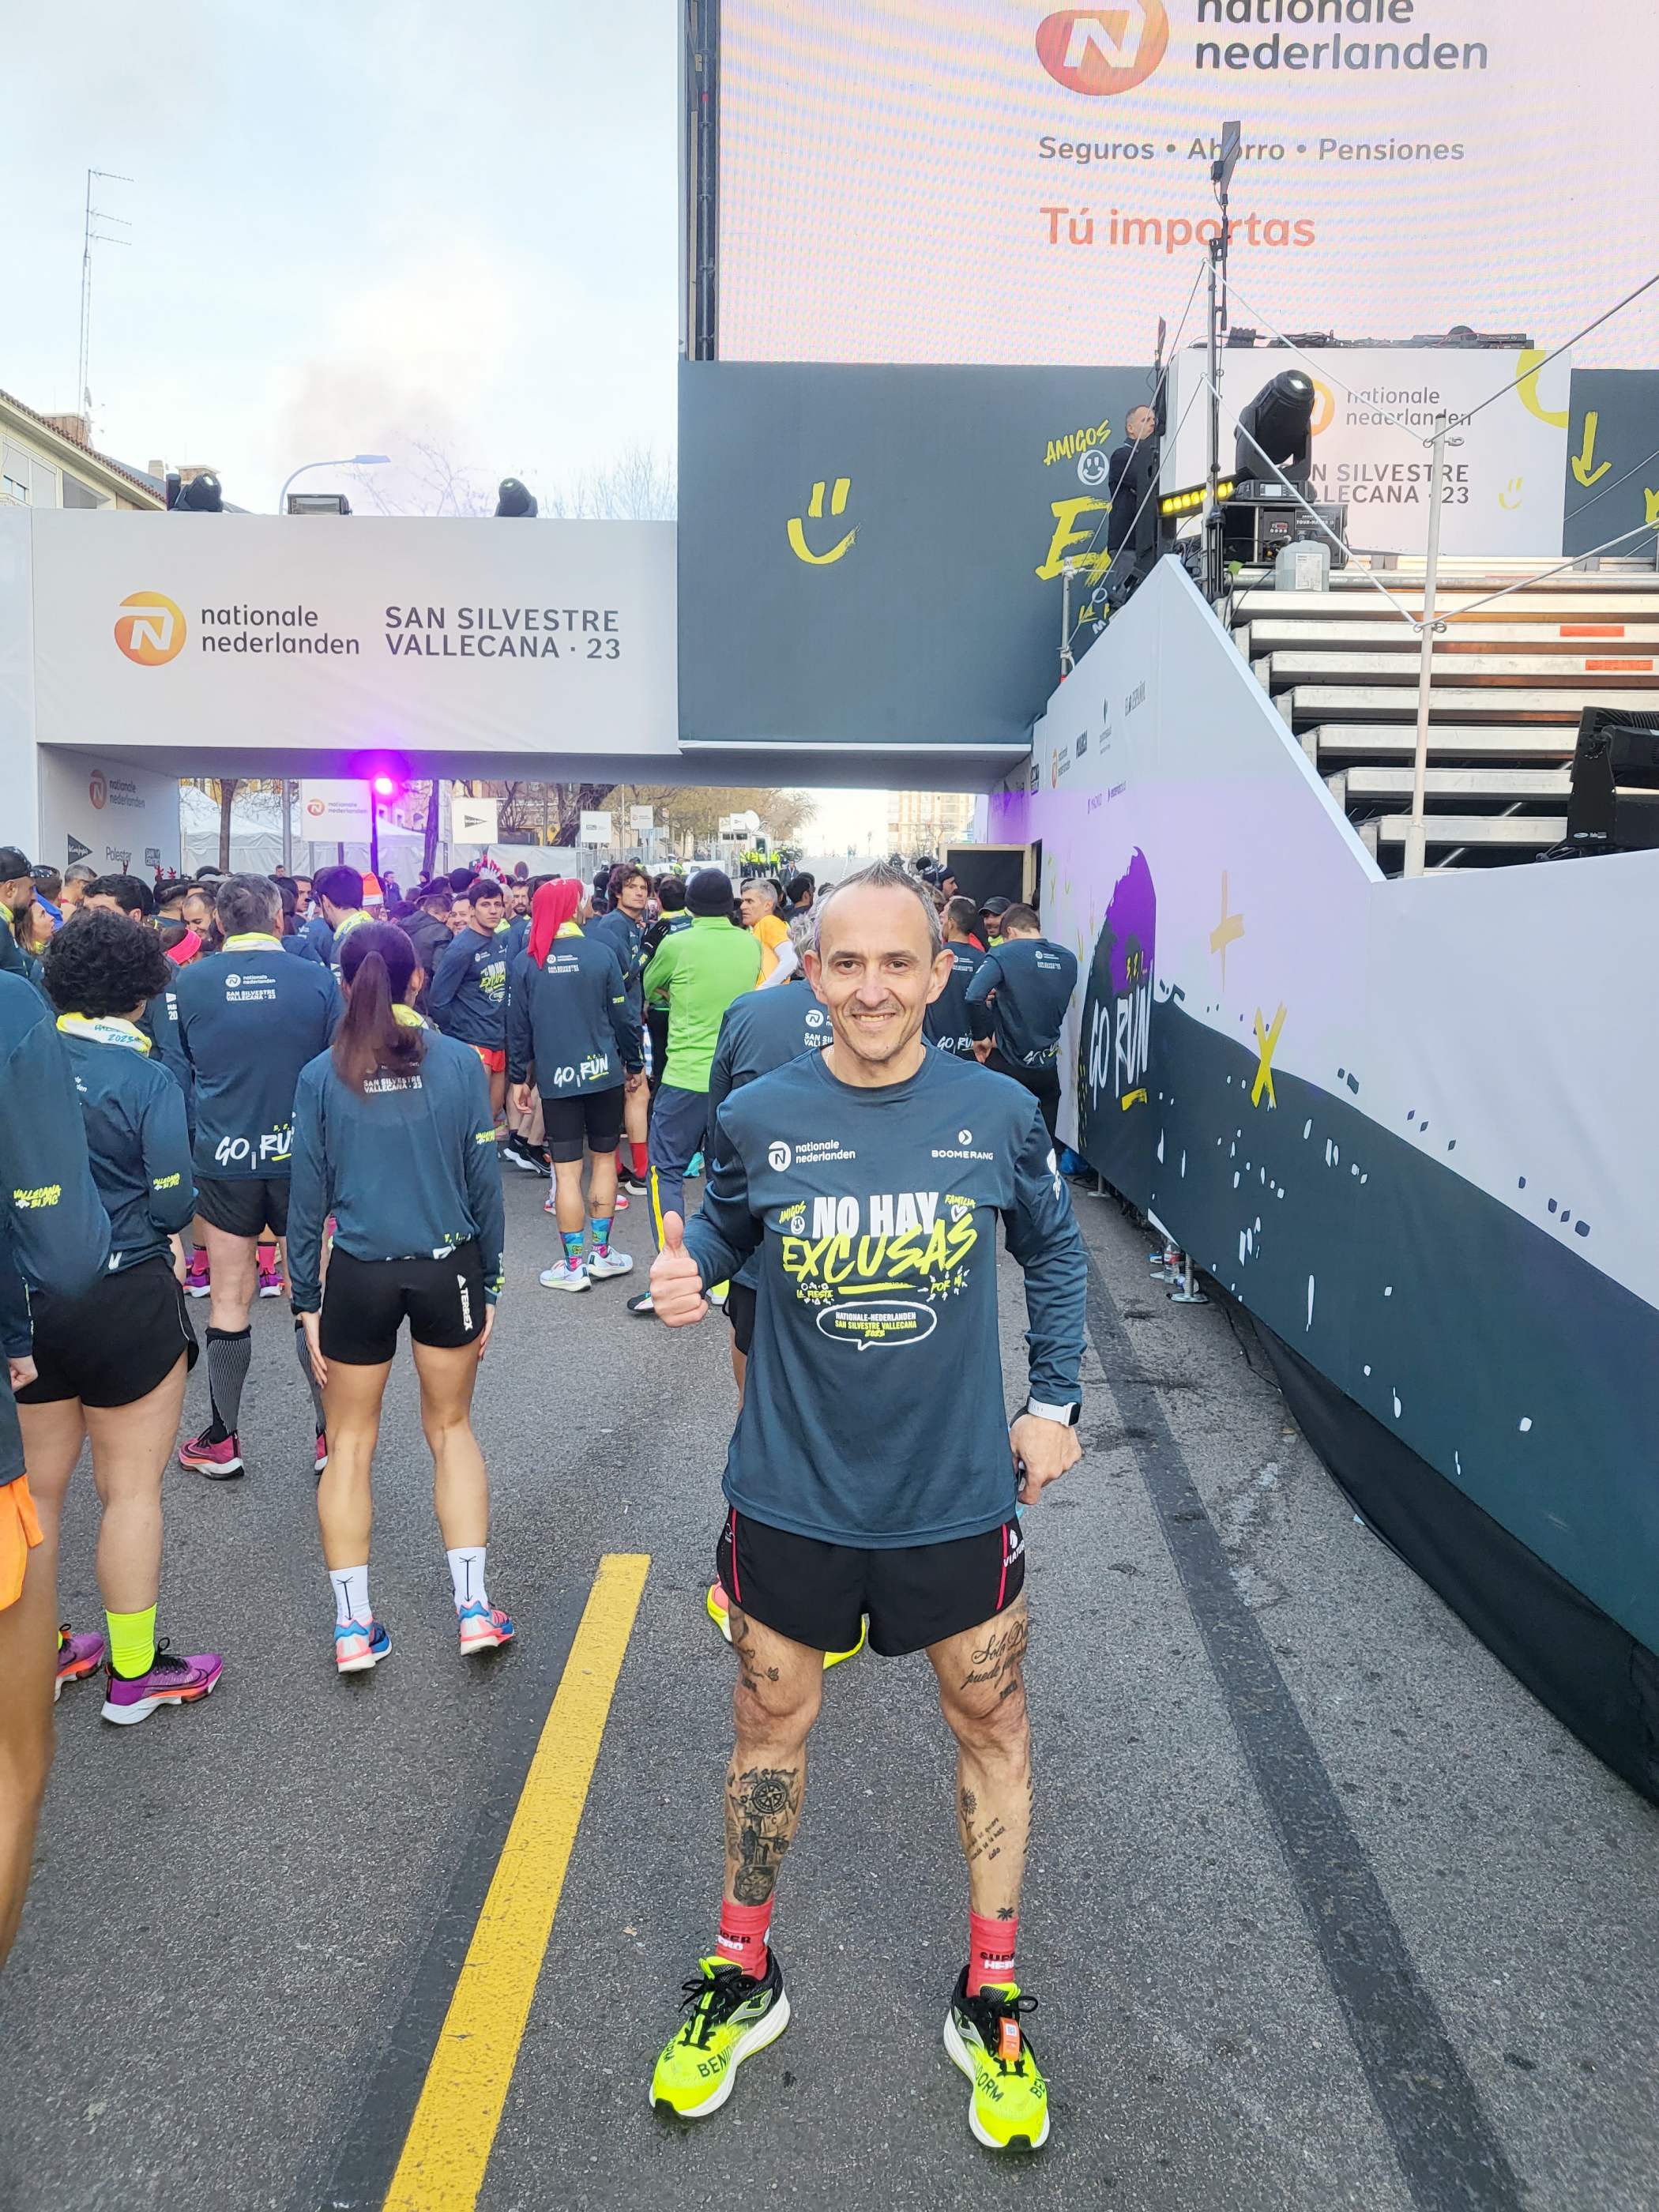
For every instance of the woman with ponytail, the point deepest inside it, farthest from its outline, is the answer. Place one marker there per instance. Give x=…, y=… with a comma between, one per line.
x=393, y=1136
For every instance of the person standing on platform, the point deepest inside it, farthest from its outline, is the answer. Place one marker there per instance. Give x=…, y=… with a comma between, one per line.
x=1016, y=999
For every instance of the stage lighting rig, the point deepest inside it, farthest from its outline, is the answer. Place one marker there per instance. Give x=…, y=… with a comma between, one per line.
x=203, y=494
x=1275, y=431
x=515, y=500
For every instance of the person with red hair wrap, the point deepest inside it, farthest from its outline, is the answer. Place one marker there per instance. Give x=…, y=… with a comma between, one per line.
x=571, y=1033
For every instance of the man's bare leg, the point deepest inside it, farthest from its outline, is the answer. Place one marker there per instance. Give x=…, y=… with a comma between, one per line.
x=982, y=1688
x=779, y=1689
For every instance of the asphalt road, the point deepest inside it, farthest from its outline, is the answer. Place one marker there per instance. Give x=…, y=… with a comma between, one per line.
x=1323, y=1910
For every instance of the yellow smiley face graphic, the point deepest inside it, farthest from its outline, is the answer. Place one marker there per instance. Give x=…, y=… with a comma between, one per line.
x=797, y=544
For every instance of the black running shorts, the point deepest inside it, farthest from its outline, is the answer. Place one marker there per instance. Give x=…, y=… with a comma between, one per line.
x=365, y=1302
x=594, y=1120
x=741, y=1312
x=817, y=1594
x=115, y=1343
x=244, y=1206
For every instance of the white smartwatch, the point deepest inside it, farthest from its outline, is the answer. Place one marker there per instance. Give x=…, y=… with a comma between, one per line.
x=1068, y=1416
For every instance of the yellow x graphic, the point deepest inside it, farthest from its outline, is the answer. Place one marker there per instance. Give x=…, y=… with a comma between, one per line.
x=1265, y=1042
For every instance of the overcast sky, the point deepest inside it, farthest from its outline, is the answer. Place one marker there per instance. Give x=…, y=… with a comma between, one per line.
x=353, y=224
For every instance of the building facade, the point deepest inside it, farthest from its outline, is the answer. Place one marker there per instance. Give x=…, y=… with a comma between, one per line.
x=926, y=822
x=47, y=460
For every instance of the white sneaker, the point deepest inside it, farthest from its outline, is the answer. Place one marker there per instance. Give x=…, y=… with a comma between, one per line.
x=609, y=1262
x=564, y=1278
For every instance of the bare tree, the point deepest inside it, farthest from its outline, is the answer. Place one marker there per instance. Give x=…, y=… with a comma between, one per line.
x=638, y=486
x=226, y=793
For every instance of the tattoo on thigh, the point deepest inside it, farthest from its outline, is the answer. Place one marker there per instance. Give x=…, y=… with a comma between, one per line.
x=762, y=1806
x=999, y=1656
x=743, y=1643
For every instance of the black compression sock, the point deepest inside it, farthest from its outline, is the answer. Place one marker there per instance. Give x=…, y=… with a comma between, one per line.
x=228, y=1351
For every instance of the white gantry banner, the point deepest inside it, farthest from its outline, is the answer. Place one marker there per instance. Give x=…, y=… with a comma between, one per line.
x=358, y=635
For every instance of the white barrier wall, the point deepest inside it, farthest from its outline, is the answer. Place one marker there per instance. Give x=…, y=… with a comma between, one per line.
x=1407, y=1123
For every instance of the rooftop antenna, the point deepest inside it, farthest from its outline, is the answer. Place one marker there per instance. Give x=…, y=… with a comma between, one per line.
x=89, y=238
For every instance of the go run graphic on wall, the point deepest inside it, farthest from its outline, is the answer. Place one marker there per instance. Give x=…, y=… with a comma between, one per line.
x=955, y=180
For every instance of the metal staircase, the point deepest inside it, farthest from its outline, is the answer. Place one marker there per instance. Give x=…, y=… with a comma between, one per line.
x=1507, y=681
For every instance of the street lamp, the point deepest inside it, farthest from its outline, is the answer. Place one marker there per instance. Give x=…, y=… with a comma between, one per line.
x=349, y=461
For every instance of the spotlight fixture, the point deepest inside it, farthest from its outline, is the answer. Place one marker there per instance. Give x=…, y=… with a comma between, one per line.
x=203, y=494
x=1275, y=431
x=514, y=499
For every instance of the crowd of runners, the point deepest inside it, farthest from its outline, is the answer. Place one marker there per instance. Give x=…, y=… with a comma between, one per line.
x=250, y=1087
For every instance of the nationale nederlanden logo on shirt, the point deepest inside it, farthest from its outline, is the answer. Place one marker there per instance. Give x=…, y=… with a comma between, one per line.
x=778, y=1156
x=149, y=629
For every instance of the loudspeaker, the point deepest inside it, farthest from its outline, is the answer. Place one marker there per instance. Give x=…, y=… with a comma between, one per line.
x=1615, y=803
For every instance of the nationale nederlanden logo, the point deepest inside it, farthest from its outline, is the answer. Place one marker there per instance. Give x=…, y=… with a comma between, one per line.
x=1099, y=51
x=149, y=629
x=98, y=788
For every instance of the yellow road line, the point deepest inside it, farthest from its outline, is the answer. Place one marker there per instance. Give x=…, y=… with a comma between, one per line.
x=447, y=2151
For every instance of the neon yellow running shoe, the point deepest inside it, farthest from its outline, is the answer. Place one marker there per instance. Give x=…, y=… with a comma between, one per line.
x=731, y=2018
x=1009, y=2107
x=718, y=1607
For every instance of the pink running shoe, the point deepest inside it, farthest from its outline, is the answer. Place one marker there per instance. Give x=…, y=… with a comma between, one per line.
x=272, y=1284
x=622, y=1200
x=218, y=1461
x=322, y=1452
x=197, y=1282
x=483, y=1628
x=77, y=1656
x=170, y=1682
x=359, y=1645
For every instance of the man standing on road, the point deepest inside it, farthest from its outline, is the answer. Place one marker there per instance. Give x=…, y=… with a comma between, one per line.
x=340, y=895
x=571, y=1033
x=671, y=917
x=1017, y=1001
x=624, y=930
x=250, y=1017
x=874, y=1470
x=467, y=996
x=947, y=1025
x=429, y=933
x=701, y=970
x=761, y=918
x=16, y=897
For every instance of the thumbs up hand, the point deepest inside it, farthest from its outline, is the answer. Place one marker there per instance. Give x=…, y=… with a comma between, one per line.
x=676, y=1282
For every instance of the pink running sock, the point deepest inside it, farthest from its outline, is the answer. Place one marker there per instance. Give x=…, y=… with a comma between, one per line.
x=990, y=1951
x=744, y=1931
